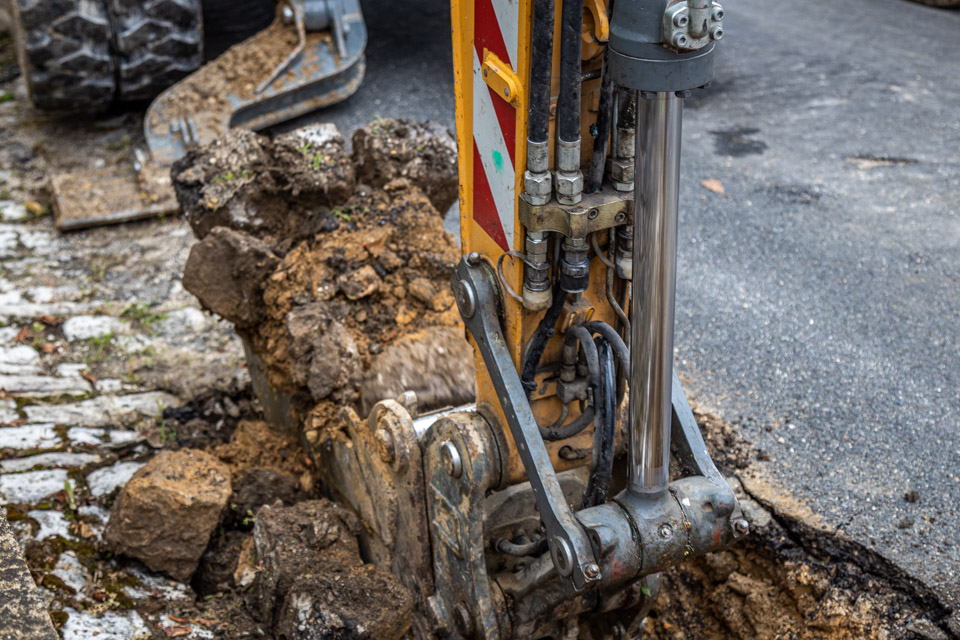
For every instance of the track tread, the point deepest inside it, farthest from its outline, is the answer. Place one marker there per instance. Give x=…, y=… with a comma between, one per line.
x=64, y=52
x=157, y=43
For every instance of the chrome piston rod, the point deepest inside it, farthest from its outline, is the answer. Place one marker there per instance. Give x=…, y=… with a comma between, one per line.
x=657, y=171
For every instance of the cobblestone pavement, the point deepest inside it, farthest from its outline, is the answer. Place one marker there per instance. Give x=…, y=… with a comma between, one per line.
x=96, y=338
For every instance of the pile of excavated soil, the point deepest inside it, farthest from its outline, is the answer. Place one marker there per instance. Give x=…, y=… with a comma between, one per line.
x=335, y=275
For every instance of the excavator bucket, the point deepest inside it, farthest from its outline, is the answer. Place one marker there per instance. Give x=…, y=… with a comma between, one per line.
x=311, y=57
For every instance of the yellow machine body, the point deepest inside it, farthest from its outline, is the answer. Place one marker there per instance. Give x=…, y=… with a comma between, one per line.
x=491, y=55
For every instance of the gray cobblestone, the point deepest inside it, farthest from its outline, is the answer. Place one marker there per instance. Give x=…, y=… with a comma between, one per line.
x=32, y=486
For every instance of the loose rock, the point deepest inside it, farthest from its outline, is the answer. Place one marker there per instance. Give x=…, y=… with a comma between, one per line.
x=165, y=515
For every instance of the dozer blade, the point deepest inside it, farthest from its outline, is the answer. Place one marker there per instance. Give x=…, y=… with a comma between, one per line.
x=279, y=74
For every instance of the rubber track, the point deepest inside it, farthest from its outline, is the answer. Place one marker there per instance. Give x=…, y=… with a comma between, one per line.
x=64, y=52
x=156, y=42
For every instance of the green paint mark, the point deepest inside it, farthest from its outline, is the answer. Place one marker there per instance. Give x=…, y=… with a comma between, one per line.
x=498, y=161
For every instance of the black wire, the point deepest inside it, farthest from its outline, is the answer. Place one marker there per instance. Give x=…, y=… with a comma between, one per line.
x=604, y=433
x=538, y=342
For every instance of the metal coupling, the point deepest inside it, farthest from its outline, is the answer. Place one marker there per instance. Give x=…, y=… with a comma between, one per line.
x=574, y=265
x=568, y=178
x=620, y=165
x=623, y=261
x=537, y=293
x=537, y=182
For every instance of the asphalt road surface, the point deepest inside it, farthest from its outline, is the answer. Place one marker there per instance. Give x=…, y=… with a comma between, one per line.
x=819, y=297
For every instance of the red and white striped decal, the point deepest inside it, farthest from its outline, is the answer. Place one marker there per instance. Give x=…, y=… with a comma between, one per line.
x=496, y=23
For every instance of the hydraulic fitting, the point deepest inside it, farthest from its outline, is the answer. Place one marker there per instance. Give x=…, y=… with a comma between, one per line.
x=569, y=178
x=574, y=265
x=537, y=293
x=537, y=182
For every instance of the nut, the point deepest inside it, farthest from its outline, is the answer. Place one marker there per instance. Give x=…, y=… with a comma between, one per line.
x=621, y=169
x=537, y=187
x=569, y=187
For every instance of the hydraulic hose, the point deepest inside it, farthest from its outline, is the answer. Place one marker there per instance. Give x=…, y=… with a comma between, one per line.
x=598, y=160
x=616, y=342
x=568, y=103
x=577, y=333
x=538, y=342
x=604, y=431
x=541, y=62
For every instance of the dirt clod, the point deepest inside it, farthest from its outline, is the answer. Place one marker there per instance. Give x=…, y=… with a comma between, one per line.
x=425, y=153
x=226, y=272
x=308, y=546
x=278, y=190
x=165, y=515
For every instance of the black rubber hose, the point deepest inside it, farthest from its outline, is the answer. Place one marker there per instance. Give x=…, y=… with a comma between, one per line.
x=604, y=431
x=616, y=342
x=627, y=112
x=598, y=161
x=568, y=103
x=538, y=342
x=541, y=68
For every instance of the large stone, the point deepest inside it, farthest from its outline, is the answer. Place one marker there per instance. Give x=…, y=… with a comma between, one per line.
x=23, y=615
x=166, y=512
x=227, y=271
x=425, y=153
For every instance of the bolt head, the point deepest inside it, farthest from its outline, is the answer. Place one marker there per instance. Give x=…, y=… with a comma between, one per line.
x=741, y=527
x=592, y=571
x=716, y=33
x=466, y=299
x=473, y=258
x=681, y=20
x=386, y=445
x=451, y=459
x=592, y=214
x=287, y=14
x=665, y=530
x=680, y=40
x=463, y=620
x=717, y=14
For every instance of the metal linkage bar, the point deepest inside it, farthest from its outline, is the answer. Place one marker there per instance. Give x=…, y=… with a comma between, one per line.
x=475, y=289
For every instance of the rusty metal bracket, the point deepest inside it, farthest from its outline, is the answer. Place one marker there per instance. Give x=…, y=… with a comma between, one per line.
x=596, y=211
x=459, y=470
